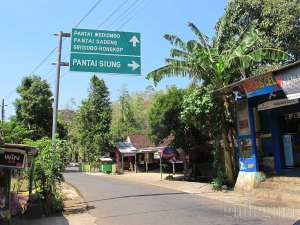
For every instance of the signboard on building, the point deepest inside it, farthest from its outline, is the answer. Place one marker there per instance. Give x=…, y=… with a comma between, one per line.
x=248, y=164
x=105, y=52
x=276, y=104
x=12, y=159
x=289, y=81
x=243, y=118
x=260, y=86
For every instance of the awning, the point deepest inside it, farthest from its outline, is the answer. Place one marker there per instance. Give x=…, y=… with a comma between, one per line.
x=286, y=78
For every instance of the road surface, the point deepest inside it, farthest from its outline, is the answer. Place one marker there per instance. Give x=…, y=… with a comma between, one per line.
x=118, y=202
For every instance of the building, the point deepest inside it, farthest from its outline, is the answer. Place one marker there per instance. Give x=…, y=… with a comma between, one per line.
x=268, y=124
x=139, y=153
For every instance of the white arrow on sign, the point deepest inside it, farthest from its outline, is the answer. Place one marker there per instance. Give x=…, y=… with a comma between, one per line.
x=133, y=65
x=134, y=40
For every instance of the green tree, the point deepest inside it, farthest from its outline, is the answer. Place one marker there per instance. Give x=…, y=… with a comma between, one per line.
x=164, y=115
x=34, y=107
x=204, y=61
x=129, y=113
x=14, y=132
x=94, y=120
x=278, y=21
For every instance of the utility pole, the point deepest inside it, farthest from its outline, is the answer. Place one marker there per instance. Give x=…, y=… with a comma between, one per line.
x=2, y=111
x=56, y=95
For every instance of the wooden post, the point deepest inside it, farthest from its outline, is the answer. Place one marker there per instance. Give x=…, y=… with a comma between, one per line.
x=160, y=167
x=135, y=163
x=146, y=161
x=173, y=165
x=122, y=163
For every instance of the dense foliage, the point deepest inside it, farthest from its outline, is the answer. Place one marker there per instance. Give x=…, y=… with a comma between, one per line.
x=278, y=21
x=34, y=107
x=130, y=113
x=91, y=126
x=14, y=132
x=48, y=168
x=213, y=66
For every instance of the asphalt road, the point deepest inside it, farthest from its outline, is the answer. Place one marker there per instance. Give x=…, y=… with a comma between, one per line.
x=117, y=202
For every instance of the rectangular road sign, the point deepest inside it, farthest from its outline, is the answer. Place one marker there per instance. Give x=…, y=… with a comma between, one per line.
x=105, y=63
x=105, y=51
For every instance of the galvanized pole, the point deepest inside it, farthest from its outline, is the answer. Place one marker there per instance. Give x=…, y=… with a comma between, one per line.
x=55, y=108
x=2, y=111
x=58, y=65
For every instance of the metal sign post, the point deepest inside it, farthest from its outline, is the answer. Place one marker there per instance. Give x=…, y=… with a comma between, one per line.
x=58, y=65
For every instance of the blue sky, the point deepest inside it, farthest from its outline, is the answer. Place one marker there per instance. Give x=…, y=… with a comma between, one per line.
x=27, y=29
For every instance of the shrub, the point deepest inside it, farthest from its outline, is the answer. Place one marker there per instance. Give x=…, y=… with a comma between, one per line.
x=48, y=168
x=219, y=181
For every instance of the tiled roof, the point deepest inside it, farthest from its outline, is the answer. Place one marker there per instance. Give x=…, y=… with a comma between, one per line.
x=140, y=141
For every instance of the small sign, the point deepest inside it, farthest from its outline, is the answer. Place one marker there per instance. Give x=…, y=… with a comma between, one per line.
x=289, y=81
x=103, y=51
x=12, y=159
x=243, y=118
x=260, y=86
x=248, y=164
x=276, y=104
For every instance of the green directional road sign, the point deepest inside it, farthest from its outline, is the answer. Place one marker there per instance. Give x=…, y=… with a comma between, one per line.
x=105, y=51
x=105, y=63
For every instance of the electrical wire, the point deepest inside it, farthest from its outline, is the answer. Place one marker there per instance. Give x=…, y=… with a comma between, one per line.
x=123, y=13
x=112, y=14
x=88, y=13
x=53, y=50
x=133, y=14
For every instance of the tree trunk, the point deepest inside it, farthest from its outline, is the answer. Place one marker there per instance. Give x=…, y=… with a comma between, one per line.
x=227, y=156
x=229, y=168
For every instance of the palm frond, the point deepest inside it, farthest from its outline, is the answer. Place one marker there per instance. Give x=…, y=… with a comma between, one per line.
x=269, y=54
x=202, y=37
x=175, y=40
x=166, y=71
x=174, y=52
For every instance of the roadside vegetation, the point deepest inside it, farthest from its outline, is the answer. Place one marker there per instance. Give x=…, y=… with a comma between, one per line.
x=252, y=37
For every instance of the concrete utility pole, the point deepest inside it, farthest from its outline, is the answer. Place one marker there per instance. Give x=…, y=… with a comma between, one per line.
x=2, y=111
x=56, y=95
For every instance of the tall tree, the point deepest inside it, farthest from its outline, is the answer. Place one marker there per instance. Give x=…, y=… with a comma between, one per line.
x=94, y=120
x=34, y=107
x=279, y=22
x=216, y=67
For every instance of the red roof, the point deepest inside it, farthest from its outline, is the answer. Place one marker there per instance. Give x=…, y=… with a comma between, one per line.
x=140, y=141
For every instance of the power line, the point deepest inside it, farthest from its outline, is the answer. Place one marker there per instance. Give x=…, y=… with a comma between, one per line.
x=133, y=14
x=88, y=13
x=104, y=21
x=123, y=24
x=53, y=50
x=112, y=14
x=43, y=61
x=124, y=12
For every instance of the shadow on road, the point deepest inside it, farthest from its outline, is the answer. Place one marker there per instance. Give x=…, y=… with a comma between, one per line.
x=137, y=196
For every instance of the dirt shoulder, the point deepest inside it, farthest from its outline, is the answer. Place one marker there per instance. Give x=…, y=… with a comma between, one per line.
x=75, y=211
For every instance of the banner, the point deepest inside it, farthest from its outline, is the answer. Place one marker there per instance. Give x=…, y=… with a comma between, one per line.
x=260, y=85
x=289, y=81
x=243, y=118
